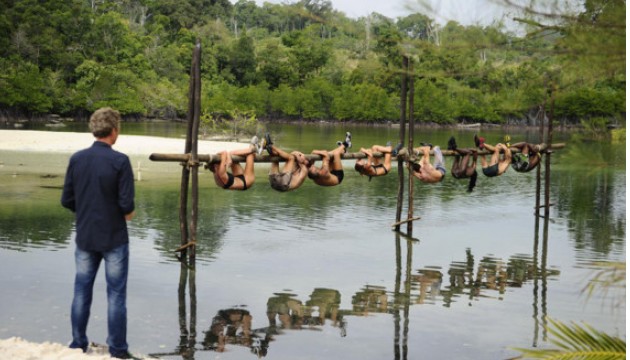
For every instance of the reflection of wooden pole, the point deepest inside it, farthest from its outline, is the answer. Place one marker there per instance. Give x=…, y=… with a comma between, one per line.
x=407, y=299
x=403, y=117
x=397, y=297
x=412, y=123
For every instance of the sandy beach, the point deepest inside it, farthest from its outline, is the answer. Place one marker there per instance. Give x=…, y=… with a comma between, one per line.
x=68, y=142
x=19, y=349
x=65, y=142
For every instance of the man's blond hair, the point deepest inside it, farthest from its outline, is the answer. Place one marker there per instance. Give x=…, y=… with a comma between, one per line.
x=103, y=121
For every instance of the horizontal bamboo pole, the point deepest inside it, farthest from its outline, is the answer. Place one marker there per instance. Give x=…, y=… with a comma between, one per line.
x=214, y=158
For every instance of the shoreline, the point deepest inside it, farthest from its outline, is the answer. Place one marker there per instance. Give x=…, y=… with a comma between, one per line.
x=16, y=348
x=70, y=142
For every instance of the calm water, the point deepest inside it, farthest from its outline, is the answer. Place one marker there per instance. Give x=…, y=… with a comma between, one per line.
x=318, y=273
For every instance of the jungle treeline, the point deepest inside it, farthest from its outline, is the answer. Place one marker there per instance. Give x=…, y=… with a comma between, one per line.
x=305, y=60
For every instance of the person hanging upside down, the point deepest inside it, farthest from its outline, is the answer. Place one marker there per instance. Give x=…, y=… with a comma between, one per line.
x=423, y=169
x=527, y=159
x=464, y=167
x=372, y=166
x=497, y=165
x=294, y=171
x=239, y=178
x=331, y=171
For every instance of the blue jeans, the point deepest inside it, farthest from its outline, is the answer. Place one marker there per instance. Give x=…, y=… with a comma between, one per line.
x=116, y=269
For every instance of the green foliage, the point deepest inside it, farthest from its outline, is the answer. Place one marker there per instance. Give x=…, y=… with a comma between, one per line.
x=618, y=136
x=595, y=127
x=578, y=342
x=611, y=277
x=305, y=60
x=24, y=87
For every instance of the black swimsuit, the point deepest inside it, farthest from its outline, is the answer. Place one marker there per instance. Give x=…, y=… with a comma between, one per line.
x=381, y=166
x=230, y=181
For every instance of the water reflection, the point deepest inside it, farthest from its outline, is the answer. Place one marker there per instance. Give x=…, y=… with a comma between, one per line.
x=470, y=279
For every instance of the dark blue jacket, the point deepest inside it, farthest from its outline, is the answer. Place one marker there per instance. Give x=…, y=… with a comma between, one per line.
x=99, y=189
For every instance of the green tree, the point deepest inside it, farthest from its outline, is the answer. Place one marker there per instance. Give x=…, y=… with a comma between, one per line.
x=243, y=61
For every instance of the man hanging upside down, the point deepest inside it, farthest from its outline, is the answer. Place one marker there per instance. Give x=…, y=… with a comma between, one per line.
x=294, y=171
x=423, y=169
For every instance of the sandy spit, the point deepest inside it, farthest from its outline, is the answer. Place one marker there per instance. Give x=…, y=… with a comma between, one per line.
x=69, y=142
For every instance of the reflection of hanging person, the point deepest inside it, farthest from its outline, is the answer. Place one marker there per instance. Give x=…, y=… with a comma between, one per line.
x=464, y=167
x=239, y=179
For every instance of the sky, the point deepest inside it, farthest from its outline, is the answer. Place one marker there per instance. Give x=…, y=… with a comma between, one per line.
x=466, y=12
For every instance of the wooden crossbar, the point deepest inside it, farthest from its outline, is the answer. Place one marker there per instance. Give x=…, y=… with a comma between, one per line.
x=214, y=158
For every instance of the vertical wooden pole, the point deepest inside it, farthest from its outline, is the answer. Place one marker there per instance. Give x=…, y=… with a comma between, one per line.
x=412, y=123
x=548, y=157
x=194, y=159
x=403, y=117
x=541, y=125
x=183, y=190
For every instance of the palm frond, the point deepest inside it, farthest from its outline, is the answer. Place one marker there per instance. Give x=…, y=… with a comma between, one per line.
x=611, y=276
x=578, y=342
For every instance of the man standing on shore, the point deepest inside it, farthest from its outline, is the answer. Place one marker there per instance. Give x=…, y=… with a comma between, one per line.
x=99, y=189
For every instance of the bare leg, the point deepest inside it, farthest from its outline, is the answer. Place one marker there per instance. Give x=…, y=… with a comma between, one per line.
x=336, y=159
x=426, y=156
x=220, y=169
x=387, y=156
x=484, y=162
x=494, y=159
x=250, y=176
x=471, y=165
x=289, y=166
x=456, y=168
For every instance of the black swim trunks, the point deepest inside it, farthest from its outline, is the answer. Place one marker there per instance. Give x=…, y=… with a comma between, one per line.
x=338, y=174
x=491, y=171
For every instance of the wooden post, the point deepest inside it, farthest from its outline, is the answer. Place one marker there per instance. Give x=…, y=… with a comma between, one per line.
x=403, y=117
x=183, y=190
x=194, y=159
x=538, y=168
x=412, y=123
x=548, y=157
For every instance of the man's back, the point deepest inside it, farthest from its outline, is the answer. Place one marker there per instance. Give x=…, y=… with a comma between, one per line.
x=99, y=189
